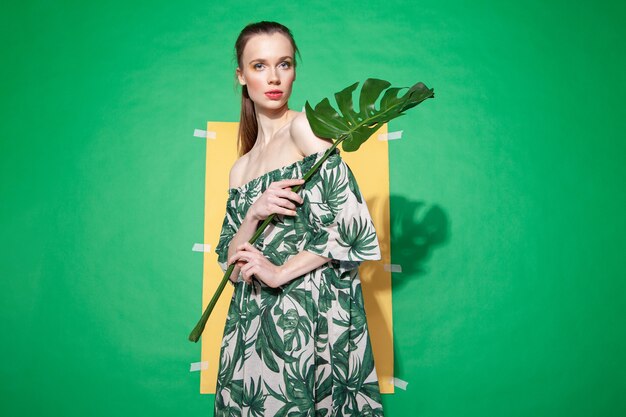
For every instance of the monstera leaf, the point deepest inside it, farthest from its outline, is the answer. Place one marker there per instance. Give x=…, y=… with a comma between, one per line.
x=352, y=127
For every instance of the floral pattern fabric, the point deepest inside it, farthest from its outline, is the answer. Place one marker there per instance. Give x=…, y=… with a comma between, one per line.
x=302, y=349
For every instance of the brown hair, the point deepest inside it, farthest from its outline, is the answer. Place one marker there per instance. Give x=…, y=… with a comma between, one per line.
x=248, y=128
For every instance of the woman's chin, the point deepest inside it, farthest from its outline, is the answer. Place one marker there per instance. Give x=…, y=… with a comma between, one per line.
x=271, y=105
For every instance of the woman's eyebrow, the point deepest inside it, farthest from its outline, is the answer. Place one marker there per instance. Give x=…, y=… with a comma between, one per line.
x=263, y=60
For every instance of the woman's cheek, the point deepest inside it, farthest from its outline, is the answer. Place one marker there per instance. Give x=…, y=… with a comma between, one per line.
x=255, y=87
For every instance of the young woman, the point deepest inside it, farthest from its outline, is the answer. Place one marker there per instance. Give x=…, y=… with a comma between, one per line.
x=296, y=340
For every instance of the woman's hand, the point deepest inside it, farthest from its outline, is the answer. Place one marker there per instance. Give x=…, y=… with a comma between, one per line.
x=253, y=262
x=277, y=198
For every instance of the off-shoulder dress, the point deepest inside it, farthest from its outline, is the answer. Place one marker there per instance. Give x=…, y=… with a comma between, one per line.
x=302, y=349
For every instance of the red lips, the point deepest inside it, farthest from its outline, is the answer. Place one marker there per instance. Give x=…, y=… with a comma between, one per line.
x=274, y=94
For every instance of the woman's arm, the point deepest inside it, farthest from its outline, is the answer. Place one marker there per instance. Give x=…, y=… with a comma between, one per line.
x=276, y=199
x=248, y=225
x=273, y=275
x=299, y=265
x=255, y=263
x=243, y=235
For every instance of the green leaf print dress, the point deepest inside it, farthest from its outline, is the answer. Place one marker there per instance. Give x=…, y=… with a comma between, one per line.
x=302, y=349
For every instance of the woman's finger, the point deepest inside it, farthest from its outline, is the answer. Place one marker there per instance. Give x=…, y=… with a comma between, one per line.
x=287, y=183
x=283, y=202
x=249, y=247
x=245, y=269
x=283, y=211
x=289, y=195
x=239, y=256
x=250, y=271
x=280, y=201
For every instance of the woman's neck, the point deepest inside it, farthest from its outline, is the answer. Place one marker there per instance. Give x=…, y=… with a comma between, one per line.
x=269, y=122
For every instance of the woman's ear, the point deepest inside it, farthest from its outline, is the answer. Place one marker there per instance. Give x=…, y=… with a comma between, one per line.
x=240, y=77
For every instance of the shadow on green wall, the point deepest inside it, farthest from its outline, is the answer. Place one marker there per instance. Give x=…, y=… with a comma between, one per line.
x=417, y=229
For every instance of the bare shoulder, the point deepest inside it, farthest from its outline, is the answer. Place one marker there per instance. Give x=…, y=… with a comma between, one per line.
x=237, y=171
x=304, y=138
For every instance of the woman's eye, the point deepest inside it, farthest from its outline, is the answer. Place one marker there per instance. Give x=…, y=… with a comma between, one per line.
x=285, y=64
x=258, y=66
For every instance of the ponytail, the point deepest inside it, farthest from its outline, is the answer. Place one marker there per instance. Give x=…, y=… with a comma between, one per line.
x=248, y=127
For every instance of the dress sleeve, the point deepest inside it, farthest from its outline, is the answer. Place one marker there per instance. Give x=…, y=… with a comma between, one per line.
x=341, y=227
x=229, y=228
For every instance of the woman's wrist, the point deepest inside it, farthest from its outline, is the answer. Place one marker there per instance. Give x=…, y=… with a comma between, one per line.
x=298, y=265
x=281, y=277
x=251, y=217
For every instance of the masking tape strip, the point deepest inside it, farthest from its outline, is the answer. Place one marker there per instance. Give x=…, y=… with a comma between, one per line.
x=199, y=133
x=201, y=247
x=393, y=267
x=399, y=383
x=198, y=366
x=390, y=135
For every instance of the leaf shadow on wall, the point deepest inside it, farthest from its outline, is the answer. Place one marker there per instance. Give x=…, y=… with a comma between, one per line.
x=417, y=229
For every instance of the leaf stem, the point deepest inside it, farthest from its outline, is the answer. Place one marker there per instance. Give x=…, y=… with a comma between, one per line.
x=195, y=334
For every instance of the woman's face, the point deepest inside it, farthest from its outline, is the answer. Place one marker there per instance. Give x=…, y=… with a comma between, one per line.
x=267, y=70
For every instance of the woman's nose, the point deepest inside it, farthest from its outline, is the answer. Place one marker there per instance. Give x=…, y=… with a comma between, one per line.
x=273, y=78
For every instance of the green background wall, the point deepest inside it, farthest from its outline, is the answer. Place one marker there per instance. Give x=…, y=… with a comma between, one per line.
x=508, y=197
